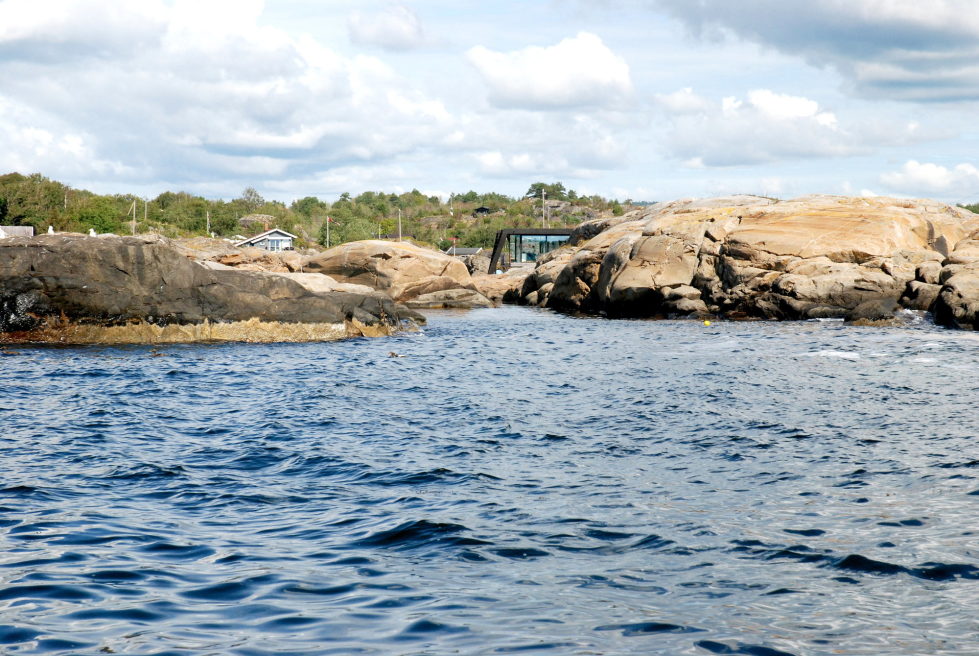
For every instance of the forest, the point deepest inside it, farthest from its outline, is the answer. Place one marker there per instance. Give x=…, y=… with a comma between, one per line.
x=467, y=219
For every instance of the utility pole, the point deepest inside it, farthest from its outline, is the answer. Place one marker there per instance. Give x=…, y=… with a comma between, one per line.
x=207, y=217
x=327, y=232
x=399, y=224
x=134, y=217
x=543, y=208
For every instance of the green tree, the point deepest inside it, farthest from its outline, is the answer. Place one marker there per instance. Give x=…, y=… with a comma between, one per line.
x=100, y=214
x=554, y=191
x=251, y=199
x=308, y=206
x=3, y=209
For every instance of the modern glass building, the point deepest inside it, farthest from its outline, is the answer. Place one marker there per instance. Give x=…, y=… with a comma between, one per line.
x=528, y=248
x=515, y=246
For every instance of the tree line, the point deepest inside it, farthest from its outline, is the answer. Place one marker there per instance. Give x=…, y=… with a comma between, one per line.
x=468, y=219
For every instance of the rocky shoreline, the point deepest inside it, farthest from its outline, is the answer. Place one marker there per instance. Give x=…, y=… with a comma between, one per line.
x=743, y=257
x=746, y=257
x=77, y=289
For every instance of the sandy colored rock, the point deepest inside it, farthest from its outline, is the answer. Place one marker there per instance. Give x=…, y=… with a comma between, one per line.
x=400, y=269
x=497, y=286
x=320, y=283
x=815, y=256
x=450, y=298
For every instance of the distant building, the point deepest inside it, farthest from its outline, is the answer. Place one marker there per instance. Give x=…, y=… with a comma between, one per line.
x=273, y=240
x=16, y=231
x=462, y=252
x=482, y=211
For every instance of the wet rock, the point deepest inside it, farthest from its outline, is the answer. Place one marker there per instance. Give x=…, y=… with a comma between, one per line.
x=879, y=309
x=920, y=295
x=957, y=304
x=127, y=289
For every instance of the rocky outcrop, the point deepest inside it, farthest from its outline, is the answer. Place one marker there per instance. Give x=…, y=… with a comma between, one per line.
x=477, y=263
x=955, y=286
x=128, y=289
x=500, y=287
x=402, y=270
x=221, y=251
x=745, y=256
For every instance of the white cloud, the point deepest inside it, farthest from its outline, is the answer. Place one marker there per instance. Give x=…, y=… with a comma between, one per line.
x=684, y=101
x=214, y=95
x=577, y=72
x=925, y=178
x=765, y=127
x=781, y=106
x=396, y=28
x=901, y=49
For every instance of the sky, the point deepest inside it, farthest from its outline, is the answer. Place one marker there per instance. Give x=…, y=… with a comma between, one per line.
x=629, y=99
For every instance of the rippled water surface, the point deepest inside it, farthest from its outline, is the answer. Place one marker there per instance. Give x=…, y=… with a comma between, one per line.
x=517, y=482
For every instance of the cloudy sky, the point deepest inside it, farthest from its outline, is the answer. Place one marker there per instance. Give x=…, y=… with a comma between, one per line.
x=642, y=99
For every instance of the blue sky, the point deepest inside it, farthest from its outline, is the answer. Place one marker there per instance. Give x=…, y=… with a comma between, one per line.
x=642, y=99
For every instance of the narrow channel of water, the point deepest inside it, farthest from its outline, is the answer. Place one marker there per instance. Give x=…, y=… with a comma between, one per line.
x=517, y=482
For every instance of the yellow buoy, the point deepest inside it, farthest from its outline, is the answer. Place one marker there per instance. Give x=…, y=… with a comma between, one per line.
x=706, y=322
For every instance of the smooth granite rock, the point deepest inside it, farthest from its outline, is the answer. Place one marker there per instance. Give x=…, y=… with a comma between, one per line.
x=744, y=256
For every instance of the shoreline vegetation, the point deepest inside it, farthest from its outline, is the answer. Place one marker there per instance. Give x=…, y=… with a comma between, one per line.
x=466, y=220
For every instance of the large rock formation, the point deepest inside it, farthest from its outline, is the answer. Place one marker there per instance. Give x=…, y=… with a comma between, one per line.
x=404, y=271
x=224, y=252
x=745, y=256
x=127, y=289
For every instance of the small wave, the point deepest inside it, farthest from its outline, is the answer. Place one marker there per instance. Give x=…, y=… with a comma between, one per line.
x=417, y=534
x=169, y=551
x=229, y=590
x=10, y=635
x=145, y=471
x=740, y=648
x=520, y=553
x=646, y=628
x=60, y=592
x=843, y=355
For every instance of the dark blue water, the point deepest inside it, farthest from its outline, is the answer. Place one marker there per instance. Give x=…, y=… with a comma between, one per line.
x=519, y=482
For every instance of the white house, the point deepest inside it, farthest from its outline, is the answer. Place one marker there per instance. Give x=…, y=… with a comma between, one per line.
x=16, y=231
x=271, y=240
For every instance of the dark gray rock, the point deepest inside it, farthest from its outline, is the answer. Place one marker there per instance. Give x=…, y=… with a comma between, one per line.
x=51, y=283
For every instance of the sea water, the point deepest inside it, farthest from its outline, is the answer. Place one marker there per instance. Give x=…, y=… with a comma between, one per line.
x=504, y=481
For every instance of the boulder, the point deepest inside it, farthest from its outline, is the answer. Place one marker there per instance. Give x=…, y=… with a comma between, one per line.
x=402, y=270
x=874, y=311
x=127, y=289
x=477, y=263
x=920, y=295
x=499, y=286
x=957, y=303
x=319, y=283
x=815, y=256
x=450, y=298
